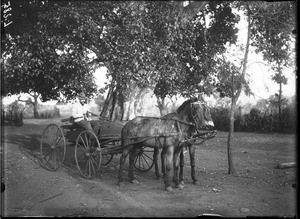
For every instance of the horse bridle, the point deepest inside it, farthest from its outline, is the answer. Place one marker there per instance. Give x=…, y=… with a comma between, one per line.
x=194, y=116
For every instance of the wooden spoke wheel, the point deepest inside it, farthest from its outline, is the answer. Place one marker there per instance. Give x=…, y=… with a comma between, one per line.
x=53, y=147
x=106, y=158
x=88, y=154
x=144, y=160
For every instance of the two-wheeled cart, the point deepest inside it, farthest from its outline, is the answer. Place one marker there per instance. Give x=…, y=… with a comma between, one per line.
x=90, y=150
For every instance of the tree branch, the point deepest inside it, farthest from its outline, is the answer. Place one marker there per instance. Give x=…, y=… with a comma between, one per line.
x=256, y=62
x=25, y=101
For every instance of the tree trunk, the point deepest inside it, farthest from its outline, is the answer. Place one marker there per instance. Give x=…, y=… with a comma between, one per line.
x=34, y=103
x=235, y=96
x=35, y=106
x=131, y=103
x=117, y=109
x=113, y=105
x=107, y=103
x=128, y=110
x=231, y=168
x=138, y=99
x=279, y=107
x=161, y=106
x=113, y=108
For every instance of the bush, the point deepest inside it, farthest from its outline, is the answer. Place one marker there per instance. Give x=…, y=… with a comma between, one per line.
x=47, y=113
x=289, y=120
x=14, y=113
x=44, y=112
x=28, y=112
x=256, y=120
x=220, y=116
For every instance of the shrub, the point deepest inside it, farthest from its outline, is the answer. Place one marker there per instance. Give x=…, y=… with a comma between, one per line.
x=220, y=116
x=289, y=124
x=47, y=113
x=256, y=120
x=14, y=113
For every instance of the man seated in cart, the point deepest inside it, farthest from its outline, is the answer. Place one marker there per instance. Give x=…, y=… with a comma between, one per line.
x=81, y=115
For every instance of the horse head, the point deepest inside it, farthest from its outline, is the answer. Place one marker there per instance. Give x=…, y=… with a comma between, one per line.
x=197, y=113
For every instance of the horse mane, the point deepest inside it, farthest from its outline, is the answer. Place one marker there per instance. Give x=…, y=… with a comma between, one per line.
x=185, y=103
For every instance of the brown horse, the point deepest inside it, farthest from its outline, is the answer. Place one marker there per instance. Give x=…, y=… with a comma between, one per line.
x=190, y=144
x=161, y=133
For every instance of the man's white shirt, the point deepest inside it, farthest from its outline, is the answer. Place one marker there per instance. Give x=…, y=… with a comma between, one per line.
x=79, y=111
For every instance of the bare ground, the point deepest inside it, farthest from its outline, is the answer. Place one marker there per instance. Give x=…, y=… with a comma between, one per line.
x=257, y=189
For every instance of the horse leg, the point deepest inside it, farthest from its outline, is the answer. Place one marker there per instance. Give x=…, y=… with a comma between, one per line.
x=163, y=167
x=132, y=157
x=192, y=158
x=122, y=162
x=177, y=153
x=168, y=166
x=155, y=158
x=181, y=168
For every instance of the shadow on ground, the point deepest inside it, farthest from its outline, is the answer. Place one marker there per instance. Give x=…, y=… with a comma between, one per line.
x=29, y=145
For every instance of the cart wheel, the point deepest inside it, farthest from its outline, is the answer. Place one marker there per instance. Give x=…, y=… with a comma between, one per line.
x=53, y=147
x=106, y=158
x=144, y=160
x=88, y=154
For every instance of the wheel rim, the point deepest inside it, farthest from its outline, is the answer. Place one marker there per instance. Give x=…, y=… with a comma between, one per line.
x=88, y=154
x=144, y=160
x=53, y=147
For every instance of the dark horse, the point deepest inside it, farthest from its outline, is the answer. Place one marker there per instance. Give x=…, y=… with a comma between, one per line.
x=190, y=144
x=161, y=133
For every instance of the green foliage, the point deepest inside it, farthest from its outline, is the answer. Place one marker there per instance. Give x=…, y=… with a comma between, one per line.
x=220, y=116
x=279, y=78
x=229, y=79
x=289, y=118
x=13, y=113
x=206, y=39
x=140, y=42
x=260, y=119
x=49, y=113
x=15, y=107
x=40, y=59
x=45, y=112
x=272, y=30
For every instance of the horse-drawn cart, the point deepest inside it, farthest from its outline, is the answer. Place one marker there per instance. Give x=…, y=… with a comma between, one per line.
x=141, y=138
x=90, y=150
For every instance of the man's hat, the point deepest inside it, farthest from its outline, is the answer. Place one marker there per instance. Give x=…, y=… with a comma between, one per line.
x=81, y=96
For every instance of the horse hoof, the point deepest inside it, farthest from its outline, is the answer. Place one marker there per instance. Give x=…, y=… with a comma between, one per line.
x=180, y=186
x=181, y=182
x=169, y=189
x=195, y=182
x=135, y=181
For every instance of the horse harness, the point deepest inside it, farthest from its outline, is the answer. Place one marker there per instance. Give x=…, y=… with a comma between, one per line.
x=194, y=115
x=170, y=133
x=156, y=136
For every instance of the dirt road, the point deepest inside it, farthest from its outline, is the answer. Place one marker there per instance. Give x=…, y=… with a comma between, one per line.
x=258, y=188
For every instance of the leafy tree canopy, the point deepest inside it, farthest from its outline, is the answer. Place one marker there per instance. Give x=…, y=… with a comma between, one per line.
x=46, y=47
x=271, y=26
